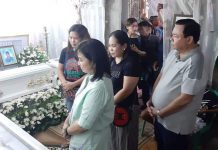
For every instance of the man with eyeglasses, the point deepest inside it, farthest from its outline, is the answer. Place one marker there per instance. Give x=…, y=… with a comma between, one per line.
x=179, y=88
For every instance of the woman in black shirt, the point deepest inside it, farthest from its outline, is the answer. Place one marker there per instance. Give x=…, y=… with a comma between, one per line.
x=134, y=37
x=125, y=75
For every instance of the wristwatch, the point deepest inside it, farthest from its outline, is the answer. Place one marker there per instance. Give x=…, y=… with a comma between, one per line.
x=158, y=113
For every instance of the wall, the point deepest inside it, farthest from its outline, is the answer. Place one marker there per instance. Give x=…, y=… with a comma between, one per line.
x=113, y=9
x=124, y=13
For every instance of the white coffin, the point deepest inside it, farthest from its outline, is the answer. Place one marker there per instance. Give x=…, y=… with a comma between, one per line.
x=24, y=80
x=54, y=63
x=12, y=137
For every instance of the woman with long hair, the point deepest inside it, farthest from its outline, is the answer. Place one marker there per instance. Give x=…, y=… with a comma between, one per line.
x=69, y=71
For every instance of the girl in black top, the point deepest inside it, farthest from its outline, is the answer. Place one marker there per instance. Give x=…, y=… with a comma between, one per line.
x=135, y=39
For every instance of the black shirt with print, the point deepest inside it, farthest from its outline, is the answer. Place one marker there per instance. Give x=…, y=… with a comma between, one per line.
x=127, y=67
x=72, y=70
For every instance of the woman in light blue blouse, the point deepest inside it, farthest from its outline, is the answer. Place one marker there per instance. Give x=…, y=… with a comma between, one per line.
x=88, y=124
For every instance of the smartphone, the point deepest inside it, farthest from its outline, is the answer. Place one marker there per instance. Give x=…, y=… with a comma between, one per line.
x=160, y=5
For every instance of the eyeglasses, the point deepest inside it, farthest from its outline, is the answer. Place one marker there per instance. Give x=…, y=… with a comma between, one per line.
x=177, y=36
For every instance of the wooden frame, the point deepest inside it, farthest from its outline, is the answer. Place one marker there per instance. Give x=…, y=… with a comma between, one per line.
x=18, y=41
x=181, y=16
x=8, y=55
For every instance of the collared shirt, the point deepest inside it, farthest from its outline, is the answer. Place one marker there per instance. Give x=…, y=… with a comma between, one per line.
x=180, y=75
x=93, y=109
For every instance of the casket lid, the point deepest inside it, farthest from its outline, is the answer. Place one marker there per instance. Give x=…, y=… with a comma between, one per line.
x=23, y=71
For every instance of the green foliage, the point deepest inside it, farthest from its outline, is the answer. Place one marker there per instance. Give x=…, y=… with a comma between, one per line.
x=32, y=56
x=36, y=112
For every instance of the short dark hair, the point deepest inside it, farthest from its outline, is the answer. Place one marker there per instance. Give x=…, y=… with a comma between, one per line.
x=145, y=24
x=82, y=32
x=191, y=28
x=122, y=38
x=7, y=52
x=130, y=21
x=95, y=52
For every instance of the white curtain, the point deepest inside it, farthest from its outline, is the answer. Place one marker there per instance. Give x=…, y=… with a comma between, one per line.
x=93, y=17
x=203, y=12
x=32, y=16
x=185, y=6
x=58, y=16
x=152, y=4
x=171, y=8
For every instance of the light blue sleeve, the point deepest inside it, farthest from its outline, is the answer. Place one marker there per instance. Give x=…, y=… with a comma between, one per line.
x=193, y=75
x=93, y=106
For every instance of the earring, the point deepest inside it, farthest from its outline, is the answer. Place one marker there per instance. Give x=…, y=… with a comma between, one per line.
x=93, y=66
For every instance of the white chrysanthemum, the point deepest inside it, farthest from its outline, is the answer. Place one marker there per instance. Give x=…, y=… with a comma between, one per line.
x=32, y=122
x=57, y=87
x=22, y=62
x=5, y=111
x=34, y=53
x=49, y=105
x=34, y=118
x=26, y=120
x=48, y=96
x=16, y=122
x=26, y=114
x=34, y=111
x=13, y=119
x=44, y=98
x=42, y=116
x=4, y=105
x=9, y=108
x=33, y=96
x=20, y=105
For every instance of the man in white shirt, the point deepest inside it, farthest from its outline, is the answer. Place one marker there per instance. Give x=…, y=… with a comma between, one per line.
x=179, y=89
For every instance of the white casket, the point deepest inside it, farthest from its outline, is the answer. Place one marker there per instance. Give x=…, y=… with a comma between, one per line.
x=53, y=63
x=24, y=80
x=12, y=137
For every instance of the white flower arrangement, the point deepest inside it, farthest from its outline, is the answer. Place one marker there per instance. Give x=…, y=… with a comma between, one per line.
x=36, y=112
x=32, y=56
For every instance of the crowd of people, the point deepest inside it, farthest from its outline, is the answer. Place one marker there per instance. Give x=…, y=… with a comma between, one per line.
x=100, y=85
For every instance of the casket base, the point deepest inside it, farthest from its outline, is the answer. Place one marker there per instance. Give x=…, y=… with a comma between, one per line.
x=52, y=137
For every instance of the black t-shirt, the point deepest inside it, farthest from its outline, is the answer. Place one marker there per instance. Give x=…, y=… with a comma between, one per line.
x=136, y=42
x=127, y=67
x=150, y=46
x=72, y=71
